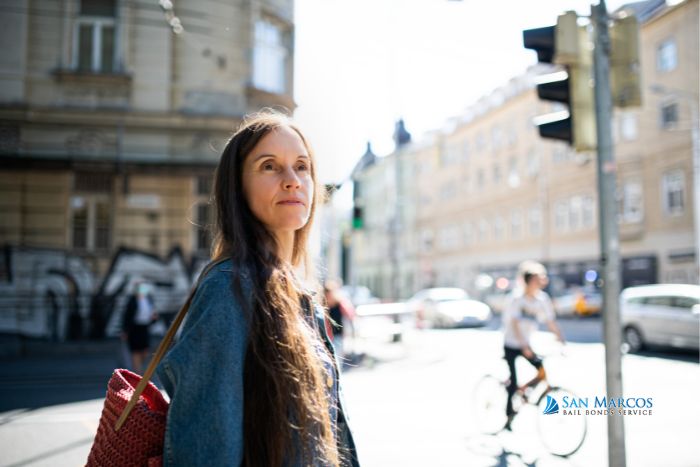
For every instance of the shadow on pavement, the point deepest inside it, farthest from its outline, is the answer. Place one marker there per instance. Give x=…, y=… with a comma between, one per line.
x=54, y=452
x=492, y=448
x=31, y=383
x=666, y=353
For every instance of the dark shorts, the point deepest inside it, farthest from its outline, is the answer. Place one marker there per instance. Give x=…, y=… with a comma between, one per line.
x=138, y=338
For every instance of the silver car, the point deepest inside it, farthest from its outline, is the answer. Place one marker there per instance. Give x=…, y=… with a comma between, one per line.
x=661, y=314
x=448, y=307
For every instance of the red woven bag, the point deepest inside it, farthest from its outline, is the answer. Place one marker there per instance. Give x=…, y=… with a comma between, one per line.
x=132, y=425
x=139, y=442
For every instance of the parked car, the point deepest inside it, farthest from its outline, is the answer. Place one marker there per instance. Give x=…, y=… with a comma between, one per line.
x=359, y=295
x=576, y=301
x=661, y=314
x=448, y=307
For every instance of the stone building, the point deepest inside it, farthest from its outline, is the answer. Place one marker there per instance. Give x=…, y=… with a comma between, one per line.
x=487, y=192
x=113, y=114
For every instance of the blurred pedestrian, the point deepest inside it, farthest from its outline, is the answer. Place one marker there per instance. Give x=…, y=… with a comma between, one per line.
x=527, y=306
x=341, y=313
x=252, y=378
x=139, y=314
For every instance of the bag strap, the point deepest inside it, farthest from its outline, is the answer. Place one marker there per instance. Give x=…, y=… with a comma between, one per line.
x=163, y=347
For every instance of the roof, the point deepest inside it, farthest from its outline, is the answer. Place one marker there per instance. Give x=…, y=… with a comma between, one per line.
x=368, y=159
x=646, y=10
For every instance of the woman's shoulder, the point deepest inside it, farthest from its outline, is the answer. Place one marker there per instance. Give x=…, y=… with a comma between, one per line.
x=219, y=270
x=216, y=282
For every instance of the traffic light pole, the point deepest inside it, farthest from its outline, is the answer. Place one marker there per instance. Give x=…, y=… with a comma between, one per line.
x=609, y=237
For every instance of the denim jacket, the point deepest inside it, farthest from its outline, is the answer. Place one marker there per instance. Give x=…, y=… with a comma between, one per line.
x=203, y=375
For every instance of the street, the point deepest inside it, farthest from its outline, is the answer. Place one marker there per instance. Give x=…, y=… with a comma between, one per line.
x=409, y=402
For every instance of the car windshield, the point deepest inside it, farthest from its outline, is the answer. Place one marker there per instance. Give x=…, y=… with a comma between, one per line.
x=450, y=299
x=448, y=295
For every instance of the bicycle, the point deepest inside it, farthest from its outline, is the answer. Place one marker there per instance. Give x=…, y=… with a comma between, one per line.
x=561, y=434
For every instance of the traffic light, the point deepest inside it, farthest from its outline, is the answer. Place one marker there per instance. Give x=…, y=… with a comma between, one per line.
x=566, y=44
x=357, y=218
x=625, y=70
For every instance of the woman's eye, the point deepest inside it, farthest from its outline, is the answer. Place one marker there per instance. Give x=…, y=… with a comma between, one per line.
x=268, y=166
x=302, y=167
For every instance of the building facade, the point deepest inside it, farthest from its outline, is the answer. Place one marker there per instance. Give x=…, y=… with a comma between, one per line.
x=487, y=192
x=113, y=115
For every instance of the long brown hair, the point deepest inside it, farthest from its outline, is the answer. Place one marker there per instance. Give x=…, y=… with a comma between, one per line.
x=286, y=412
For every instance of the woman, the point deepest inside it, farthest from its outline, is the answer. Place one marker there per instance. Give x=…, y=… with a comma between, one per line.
x=252, y=379
x=140, y=313
x=341, y=313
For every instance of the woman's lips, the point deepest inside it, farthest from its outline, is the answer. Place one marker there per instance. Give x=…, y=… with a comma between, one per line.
x=291, y=203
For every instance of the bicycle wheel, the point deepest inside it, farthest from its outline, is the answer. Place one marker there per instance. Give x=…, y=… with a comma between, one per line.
x=490, y=396
x=561, y=434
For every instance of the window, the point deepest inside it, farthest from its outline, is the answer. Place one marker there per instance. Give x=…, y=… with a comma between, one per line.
x=480, y=142
x=561, y=211
x=516, y=222
x=448, y=238
x=90, y=211
x=632, y=203
x=465, y=150
x=95, y=37
x=659, y=301
x=468, y=233
x=498, y=228
x=449, y=154
x=90, y=222
x=535, y=218
x=669, y=115
x=533, y=163
x=426, y=240
x=628, y=126
x=496, y=138
x=672, y=189
x=269, y=58
x=561, y=153
x=466, y=183
x=685, y=302
x=480, y=178
x=587, y=212
x=483, y=230
x=204, y=185
x=203, y=214
x=574, y=212
x=513, y=176
x=636, y=301
x=448, y=191
x=666, y=56
x=512, y=134
x=203, y=222
x=496, y=174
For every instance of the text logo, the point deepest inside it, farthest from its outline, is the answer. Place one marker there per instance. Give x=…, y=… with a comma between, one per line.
x=552, y=406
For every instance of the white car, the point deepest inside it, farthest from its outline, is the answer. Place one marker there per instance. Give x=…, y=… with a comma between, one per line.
x=448, y=307
x=661, y=314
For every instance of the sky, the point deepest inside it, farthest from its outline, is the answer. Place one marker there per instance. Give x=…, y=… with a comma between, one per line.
x=362, y=64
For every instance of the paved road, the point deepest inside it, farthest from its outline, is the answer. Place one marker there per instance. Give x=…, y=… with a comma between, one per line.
x=409, y=403
x=416, y=411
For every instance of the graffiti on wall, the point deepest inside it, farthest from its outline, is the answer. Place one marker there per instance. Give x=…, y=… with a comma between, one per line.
x=50, y=293
x=43, y=292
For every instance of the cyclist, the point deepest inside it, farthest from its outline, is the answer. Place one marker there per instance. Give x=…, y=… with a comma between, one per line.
x=526, y=307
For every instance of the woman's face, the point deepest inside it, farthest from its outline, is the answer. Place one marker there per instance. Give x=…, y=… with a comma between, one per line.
x=277, y=181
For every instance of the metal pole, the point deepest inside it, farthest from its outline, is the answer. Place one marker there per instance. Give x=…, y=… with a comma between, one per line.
x=609, y=238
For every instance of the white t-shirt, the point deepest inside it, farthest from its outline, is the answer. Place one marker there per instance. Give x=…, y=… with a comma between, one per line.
x=528, y=311
x=144, y=311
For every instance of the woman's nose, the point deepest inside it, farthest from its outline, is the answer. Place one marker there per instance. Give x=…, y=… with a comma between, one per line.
x=291, y=179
